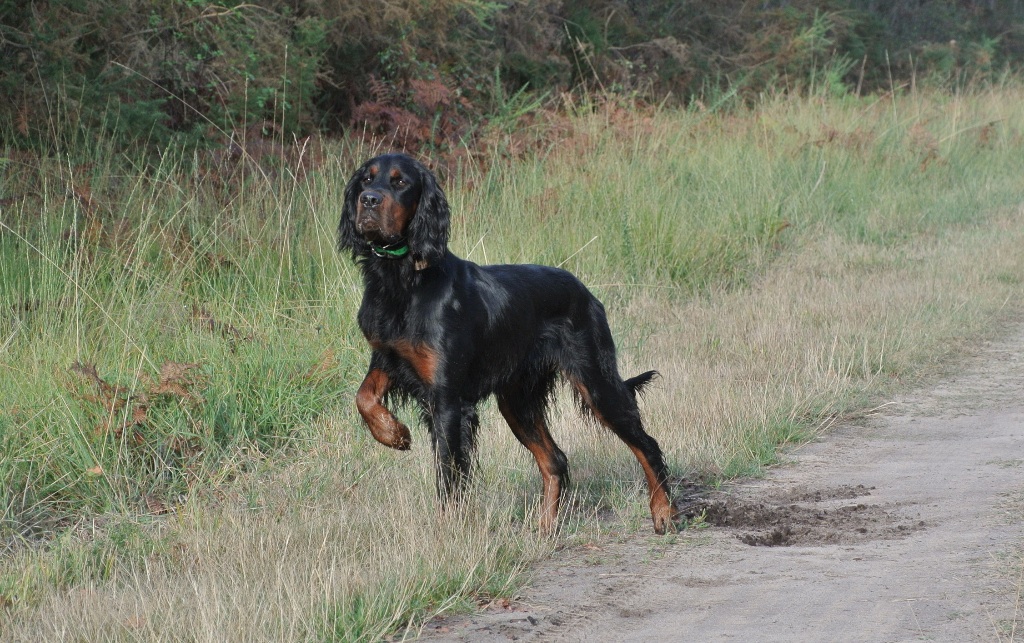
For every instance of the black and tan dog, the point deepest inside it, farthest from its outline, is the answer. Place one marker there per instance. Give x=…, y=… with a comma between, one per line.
x=448, y=333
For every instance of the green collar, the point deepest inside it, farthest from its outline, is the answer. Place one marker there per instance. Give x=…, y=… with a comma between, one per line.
x=390, y=253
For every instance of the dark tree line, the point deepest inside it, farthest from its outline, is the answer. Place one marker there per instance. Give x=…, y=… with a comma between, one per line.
x=195, y=71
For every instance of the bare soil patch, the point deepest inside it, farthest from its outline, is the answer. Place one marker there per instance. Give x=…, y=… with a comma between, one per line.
x=905, y=525
x=799, y=517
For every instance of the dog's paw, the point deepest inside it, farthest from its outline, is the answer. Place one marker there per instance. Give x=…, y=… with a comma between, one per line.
x=396, y=436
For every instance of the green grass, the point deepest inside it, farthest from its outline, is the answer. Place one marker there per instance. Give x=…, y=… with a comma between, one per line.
x=179, y=455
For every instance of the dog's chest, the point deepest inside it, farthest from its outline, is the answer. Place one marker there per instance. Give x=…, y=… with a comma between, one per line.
x=396, y=335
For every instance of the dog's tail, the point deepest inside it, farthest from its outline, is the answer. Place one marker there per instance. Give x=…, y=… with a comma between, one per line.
x=639, y=383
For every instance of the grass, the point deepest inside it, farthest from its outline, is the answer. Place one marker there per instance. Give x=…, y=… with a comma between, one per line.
x=1005, y=578
x=181, y=459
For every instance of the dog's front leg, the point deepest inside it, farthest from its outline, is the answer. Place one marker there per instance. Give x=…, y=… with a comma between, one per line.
x=384, y=426
x=453, y=430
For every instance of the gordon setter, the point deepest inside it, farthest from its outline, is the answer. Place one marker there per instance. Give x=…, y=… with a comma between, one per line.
x=448, y=333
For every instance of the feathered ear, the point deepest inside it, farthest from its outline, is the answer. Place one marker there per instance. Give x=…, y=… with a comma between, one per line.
x=348, y=238
x=428, y=231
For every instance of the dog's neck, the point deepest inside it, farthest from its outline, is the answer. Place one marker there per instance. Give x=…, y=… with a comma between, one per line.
x=390, y=251
x=391, y=274
x=397, y=251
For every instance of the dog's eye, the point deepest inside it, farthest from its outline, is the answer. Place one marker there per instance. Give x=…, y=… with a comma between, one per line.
x=400, y=182
x=367, y=179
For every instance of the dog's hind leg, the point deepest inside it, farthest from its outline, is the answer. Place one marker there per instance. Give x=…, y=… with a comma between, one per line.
x=613, y=403
x=523, y=410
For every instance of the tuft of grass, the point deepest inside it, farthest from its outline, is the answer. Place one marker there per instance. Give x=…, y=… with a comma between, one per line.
x=181, y=460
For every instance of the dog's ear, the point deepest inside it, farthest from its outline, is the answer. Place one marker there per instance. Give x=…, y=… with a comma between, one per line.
x=348, y=238
x=428, y=230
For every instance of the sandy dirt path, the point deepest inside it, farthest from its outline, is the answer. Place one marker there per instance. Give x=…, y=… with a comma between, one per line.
x=903, y=526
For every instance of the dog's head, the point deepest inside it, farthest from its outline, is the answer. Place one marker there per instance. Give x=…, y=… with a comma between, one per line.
x=395, y=210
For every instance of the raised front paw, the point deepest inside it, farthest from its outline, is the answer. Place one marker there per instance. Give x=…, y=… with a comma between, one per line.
x=395, y=435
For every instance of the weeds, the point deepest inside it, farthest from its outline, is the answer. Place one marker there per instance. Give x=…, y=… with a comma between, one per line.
x=181, y=459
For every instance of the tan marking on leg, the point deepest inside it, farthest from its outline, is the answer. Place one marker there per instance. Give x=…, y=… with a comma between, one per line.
x=552, y=492
x=544, y=453
x=589, y=401
x=661, y=506
x=385, y=428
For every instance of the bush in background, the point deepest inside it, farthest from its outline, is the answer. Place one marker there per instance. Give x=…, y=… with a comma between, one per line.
x=427, y=75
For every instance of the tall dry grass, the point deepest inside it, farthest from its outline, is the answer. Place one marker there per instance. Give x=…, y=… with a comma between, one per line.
x=782, y=268
x=311, y=550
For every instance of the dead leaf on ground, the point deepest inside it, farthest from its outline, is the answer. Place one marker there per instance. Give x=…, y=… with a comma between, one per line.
x=122, y=408
x=110, y=396
x=179, y=380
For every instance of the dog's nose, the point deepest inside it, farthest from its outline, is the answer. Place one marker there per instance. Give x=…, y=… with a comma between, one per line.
x=371, y=199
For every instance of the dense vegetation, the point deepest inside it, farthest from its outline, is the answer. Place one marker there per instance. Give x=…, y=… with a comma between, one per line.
x=782, y=203
x=431, y=73
x=179, y=454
